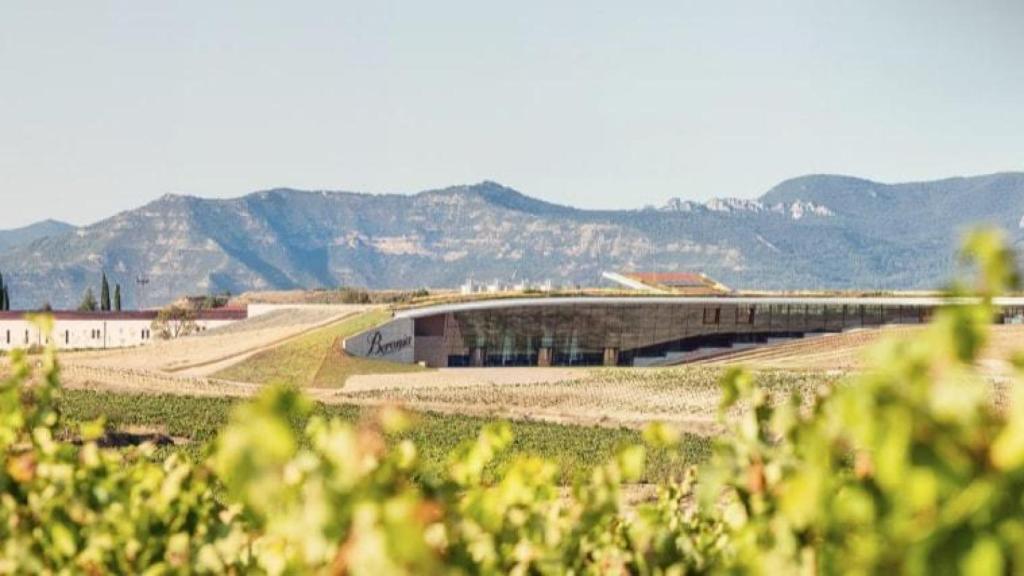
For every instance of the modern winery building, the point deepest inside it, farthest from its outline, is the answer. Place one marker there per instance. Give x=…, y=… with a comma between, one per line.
x=625, y=331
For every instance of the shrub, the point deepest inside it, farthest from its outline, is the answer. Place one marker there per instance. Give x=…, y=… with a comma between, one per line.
x=910, y=468
x=175, y=321
x=353, y=296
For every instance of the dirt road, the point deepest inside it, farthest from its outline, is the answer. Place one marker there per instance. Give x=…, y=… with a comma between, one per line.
x=209, y=352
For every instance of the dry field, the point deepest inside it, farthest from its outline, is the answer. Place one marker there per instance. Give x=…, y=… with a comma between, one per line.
x=686, y=397
x=209, y=352
x=843, y=351
x=846, y=351
x=183, y=366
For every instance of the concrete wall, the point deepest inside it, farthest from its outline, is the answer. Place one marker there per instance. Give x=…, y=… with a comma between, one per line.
x=393, y=341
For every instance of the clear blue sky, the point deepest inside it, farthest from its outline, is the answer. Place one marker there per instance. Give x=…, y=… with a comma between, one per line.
x=107, y=105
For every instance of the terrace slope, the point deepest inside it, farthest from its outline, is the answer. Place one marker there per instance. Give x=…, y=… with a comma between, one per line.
x=847, y=351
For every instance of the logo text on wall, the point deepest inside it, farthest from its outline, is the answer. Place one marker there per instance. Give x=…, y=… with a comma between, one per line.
x=378, y=347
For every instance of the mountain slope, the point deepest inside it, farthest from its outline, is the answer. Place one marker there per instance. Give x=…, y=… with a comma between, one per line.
x=810, y=232
x=914, y=209
x=27, y=234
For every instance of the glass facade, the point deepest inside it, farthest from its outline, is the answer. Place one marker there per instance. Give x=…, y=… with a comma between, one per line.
x=626, y=334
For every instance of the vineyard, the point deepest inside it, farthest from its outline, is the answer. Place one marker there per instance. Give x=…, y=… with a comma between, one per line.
x=686, y=397
x=908, y=466
x=197, y=420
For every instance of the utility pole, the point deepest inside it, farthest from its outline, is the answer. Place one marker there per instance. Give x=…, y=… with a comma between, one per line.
x=141, y=282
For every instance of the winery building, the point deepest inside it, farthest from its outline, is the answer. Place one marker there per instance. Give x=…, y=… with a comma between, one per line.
x=98, y=330
x=626, y=331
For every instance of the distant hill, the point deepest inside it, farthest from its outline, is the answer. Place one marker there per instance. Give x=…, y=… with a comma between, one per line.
x=811, y=232
x=32, y=232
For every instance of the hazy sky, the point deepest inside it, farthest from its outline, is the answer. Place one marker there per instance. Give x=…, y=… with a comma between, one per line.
x=107, y=105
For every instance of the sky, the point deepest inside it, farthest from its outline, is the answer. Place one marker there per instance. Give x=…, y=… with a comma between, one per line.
x=105, y=106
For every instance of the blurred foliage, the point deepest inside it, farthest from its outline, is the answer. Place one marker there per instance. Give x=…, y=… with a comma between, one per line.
x=190, y=424
x=910, y=467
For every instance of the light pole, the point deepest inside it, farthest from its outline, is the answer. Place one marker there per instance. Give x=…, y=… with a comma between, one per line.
x=141, y=282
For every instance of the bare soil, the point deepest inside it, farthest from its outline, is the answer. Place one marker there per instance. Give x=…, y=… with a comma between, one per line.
x=847, y=351
x=208, y=353
x=686, y=397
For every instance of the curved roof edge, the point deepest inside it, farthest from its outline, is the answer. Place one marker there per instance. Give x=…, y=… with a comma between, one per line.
x=501, y=303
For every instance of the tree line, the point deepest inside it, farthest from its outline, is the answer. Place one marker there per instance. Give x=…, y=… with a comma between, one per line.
x=90, y=304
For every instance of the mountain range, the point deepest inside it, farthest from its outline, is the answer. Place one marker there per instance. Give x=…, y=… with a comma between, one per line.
x=811, y=232
x=21, y=236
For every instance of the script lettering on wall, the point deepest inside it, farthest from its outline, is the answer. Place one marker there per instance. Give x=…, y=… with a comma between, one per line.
x=393, y=341
x=378, y=347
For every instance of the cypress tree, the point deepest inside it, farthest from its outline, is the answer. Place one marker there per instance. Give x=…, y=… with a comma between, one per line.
x=3, y=294
x=117, y=297
x=105, y=294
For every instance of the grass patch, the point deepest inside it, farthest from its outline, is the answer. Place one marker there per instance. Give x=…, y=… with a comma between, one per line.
x=315, y=359
x=576, y=449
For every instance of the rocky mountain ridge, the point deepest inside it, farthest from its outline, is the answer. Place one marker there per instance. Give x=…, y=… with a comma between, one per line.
x=795, y=210
x=811, y=232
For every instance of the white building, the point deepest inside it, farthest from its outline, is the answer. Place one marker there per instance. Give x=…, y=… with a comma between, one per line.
x=498, y=287
x=97, y=330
